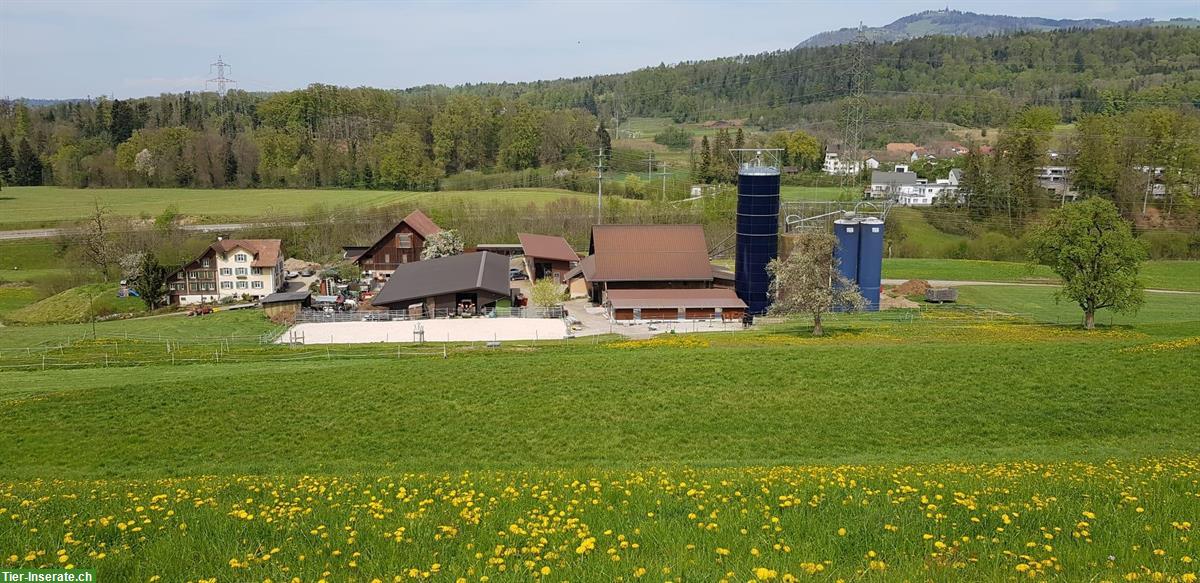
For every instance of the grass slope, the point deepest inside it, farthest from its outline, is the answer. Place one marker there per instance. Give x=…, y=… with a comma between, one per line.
x=241, y=323
x=14, y=297
x=77, y=304
x=1038, y=303
x=35, y=206
x=1172, y=275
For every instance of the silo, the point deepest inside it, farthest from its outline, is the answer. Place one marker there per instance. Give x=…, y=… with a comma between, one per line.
x=757, y=233
x=847, y=233
x=870, y=260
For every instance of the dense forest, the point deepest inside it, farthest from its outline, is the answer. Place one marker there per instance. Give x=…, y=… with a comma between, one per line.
x=326, y=136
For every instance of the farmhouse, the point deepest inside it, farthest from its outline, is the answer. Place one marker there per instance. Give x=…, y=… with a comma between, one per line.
x=399, y=246
x=229, y=268
x=892, y=184
x=454, y=285
x=547, y=256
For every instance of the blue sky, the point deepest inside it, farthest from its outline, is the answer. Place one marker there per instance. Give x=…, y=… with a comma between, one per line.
x=62, y=48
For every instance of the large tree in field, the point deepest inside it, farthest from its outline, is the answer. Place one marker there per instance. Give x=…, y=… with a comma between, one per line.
x=1093, y=249
x=7, y=161
x=442, y=244
x=808, y=282
x=27, y=170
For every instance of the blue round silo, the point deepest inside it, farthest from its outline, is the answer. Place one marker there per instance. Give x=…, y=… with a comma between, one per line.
x=870, y=260
x=847, y=233
x=757, y=234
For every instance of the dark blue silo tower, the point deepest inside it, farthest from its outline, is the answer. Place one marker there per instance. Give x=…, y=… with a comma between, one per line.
x=847, y=232
x=757, y=233
x=870, y=260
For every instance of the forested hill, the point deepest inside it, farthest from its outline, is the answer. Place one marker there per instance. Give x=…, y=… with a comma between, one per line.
x=333, y=136
x=956, y=23
x=964, y=80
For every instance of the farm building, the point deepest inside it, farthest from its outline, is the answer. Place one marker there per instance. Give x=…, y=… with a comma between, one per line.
x=507, y=249
x=547, y=256
x=399, y=246
x=456, y=285
x=672, y=259
x=229, y=268
x=285, y=305
x=674, y=304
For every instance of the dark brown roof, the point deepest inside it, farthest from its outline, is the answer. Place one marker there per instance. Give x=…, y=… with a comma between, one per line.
x=674, y=298
x=650, y=253
x=547, y=247
x=421, y=223
x=586, y=268
x=445, y=275
x=265, y=252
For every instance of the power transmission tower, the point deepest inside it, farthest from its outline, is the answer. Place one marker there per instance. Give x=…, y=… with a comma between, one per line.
x=220, y=79
x=856, y=104
x=600, y=186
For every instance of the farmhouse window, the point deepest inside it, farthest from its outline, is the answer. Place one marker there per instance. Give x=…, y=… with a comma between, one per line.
x=256, y=284
x=404, y=240
x=204, y=262
x=240, y=258
x=242, y=271
x=226, y=271
x=241, y=285
x=226, y=285
x=256, y=270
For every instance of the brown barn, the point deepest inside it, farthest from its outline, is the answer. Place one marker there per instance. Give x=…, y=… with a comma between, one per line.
x=459, y=284
x=654, y=272
x=547, y=256
x=674, y=304
x=397, y=247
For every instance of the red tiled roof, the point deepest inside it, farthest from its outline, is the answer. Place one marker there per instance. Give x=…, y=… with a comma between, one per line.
x=547, y=247
x=674, y=298
x=421, y=223
x=650, y=253
x=265, y=252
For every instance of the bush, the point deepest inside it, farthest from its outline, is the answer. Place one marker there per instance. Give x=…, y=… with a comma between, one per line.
x=1167, y=245
x=674, y=138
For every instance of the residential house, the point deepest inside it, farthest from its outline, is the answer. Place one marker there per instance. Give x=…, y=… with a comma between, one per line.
x=834, y=165
x=464, y=284
x=230, y=268
x=547, y=256
x=400, y=245
x=892, y=184
x=925, y=194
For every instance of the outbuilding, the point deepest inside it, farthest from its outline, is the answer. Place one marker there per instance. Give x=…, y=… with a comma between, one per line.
x=674, y=304
x=547, y=256
x=457, y=285
x=285, y=305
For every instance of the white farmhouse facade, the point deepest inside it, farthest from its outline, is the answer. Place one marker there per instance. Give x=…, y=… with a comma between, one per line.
x=835, y=165
x=230, y=268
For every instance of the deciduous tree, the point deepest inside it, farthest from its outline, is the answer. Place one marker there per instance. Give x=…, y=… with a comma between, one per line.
x=442, y=244
x=808, y=282
x=1094, y=251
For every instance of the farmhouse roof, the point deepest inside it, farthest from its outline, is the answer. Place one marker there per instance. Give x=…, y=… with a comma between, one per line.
x=674, y=298
x=265, y=252
x=649, y=253
x=446, y=275
x=279, y=297
x=421, y=223
x=547, y=247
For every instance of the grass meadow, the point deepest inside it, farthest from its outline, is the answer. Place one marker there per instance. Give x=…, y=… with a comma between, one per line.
x=946, y=446
x=1169, y=275
x=42, y=206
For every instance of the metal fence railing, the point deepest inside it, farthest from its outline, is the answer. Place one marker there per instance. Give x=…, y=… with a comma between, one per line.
x=320, y=316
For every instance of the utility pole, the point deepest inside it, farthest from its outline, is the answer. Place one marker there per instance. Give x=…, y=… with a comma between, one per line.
x=663, y=173
x=649, y=160
x=220, y=79
x=600, y=186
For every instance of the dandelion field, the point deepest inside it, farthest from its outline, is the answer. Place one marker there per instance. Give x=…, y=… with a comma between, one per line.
x=957, y=448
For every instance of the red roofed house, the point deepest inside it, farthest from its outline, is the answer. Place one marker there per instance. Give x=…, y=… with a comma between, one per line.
x=398, y=246
x=654, y=272
x=547, y=256
x=230, y=268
